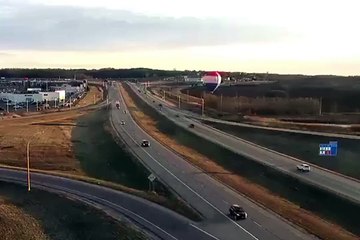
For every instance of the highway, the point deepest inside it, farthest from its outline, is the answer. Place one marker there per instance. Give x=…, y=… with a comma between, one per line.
x=316, y=133
x=160, y=222
x=336, y=183
x=211, y=198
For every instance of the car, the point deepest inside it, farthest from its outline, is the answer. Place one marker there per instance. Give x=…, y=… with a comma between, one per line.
x=191, y=125
x=145, y=143
x=303, y=167
x=125, y=111
x=237, y=212
x=122, y=123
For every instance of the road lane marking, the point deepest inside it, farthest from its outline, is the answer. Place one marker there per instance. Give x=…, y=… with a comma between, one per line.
x=204, y=231
x=92, y=198
x=178, y=179
x=257, y=224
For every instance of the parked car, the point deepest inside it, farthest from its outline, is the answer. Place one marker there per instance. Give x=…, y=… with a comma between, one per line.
x=237, y=212
x=191, y=125
x=122, y=123
x=145, y=143
x=303, y=167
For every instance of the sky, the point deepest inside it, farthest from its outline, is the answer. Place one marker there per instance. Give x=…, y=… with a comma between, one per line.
x=277, y=36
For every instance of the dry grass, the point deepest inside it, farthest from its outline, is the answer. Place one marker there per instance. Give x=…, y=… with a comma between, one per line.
x=310, y=222
x=49, y=136
x=17, y=224
x=93, y=96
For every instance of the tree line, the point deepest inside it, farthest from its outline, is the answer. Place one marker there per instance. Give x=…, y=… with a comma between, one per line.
x=107, y=73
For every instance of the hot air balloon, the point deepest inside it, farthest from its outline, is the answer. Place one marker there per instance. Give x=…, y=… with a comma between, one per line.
x=212, y=81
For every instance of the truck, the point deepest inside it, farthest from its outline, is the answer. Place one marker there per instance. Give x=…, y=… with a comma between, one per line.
x=117, y=104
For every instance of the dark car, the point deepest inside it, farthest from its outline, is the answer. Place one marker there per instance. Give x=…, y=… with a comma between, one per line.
x=145, y=143
x=191, y=125
x=237, y=212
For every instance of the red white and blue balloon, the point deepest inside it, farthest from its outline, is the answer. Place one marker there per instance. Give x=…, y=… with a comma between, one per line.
x=212, y=81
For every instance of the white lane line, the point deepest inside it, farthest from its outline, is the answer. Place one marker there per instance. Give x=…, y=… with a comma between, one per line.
x=257, y=224
x=204, y=231
x=178, y=179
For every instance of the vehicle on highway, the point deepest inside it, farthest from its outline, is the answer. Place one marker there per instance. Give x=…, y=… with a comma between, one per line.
x=303, y=167
x=145, y=143
x=191, y=125
x=237, y=212
x=125, y=111
x=122, y=123
x=117, y=104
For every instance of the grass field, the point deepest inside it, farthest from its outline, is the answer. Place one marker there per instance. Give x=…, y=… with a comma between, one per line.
x=79, y=142
x=302, y=146
x=101, y=157
x=173, y=138
x=40, y=215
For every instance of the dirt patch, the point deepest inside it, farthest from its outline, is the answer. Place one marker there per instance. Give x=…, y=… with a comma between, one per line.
x=288, y=210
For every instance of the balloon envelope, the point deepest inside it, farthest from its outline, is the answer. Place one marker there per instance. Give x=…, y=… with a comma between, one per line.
x=212, y=81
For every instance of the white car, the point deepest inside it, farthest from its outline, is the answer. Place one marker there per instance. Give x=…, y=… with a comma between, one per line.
x=122, y=123
x=303, y=167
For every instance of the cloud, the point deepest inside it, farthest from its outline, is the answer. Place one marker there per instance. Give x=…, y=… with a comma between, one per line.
x=41, y=27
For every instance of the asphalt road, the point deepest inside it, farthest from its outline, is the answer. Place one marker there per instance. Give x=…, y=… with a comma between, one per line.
x=336, y=183
x=326, y=134
x=159, y=221
x=211, y=198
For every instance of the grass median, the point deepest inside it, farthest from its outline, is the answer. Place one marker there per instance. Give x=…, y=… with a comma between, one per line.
x=38, y=215
x=146, y=118
x=302, y=146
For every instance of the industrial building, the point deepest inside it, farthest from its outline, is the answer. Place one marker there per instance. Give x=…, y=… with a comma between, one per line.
x=33, y=97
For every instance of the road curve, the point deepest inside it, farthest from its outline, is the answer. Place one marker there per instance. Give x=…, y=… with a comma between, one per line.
x=153, y=218
x=210, y=197
x=325, y=179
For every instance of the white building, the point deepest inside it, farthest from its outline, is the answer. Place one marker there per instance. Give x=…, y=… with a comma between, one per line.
x=192, y=79
x=53, y=96
x=70, y=89
x=22, y=97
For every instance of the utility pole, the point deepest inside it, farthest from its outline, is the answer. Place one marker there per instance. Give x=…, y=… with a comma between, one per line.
x=27, y=105
x=202, y=106
x=28, y=165
x=237, y=102
x=221, y=102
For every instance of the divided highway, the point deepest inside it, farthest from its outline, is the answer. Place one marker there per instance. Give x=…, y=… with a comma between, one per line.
x=336, y=183
x=211, y=198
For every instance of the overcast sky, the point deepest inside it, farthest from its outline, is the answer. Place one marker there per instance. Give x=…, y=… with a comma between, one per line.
x=307, y=36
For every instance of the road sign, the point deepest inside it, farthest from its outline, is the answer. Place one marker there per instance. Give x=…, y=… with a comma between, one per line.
x=151, y=177
x=329, y=149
